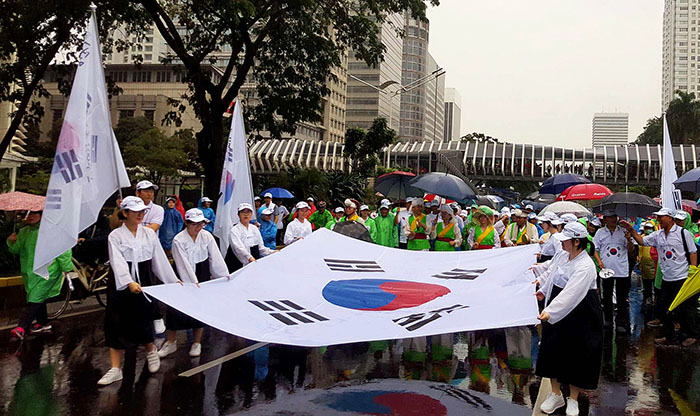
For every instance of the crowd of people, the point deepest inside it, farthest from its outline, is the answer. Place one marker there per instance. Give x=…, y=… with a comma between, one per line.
x=579, y=261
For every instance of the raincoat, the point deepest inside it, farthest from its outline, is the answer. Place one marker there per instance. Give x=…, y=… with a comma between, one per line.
x=372, y=228
x=387, y=234
x=38, y=289
x=320, y=219
x=268, y=231
x=172, y=225
x=208, y=214
x=179, y=207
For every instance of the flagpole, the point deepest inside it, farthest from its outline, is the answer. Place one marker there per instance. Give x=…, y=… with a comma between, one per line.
x=93, y=11
x=214, y=363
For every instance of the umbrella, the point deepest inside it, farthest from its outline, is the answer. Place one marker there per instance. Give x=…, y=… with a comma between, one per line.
x=394, y=185
x=542, y=198
x=20, y=201
x=430, y=197
x=556, y=184
x=585, y=192
x=278, y=193
x=538, y=206
x=689, y=181
x=686, y=204
x=566, y=207
x=353, y=229
x=445, y=185
x=484, y=200
x=627, y=204
x=690, y=288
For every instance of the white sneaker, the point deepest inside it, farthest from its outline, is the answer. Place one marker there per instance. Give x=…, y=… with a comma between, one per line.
x=153, y=361
x=571, y=407
x=196, y=350
x=167, y=349
x=114, y=374
x=552, y=403
x=159, y=326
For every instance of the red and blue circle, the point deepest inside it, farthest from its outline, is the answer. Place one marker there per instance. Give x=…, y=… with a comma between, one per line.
x=380, y=402
x=613, y=251
x=381, y=294
x=669, y=254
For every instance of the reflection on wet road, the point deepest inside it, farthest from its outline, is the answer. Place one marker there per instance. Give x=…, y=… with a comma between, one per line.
x=57, y=373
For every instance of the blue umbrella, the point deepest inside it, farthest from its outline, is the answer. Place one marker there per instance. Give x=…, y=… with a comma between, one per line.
x=278, y=193
x=445, y=185
x=557, y=184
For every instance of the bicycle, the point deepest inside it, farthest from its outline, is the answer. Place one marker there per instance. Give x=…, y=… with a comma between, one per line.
x=93, y=280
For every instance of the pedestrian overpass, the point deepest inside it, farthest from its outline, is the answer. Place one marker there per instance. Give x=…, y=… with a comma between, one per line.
x=609, y=165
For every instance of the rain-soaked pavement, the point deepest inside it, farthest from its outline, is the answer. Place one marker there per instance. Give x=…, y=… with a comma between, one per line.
x=57, y=374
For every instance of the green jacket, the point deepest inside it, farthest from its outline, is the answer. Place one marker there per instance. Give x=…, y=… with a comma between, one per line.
x=387, y=234
x=320, y=220
x=38, y=289
x=372, y=228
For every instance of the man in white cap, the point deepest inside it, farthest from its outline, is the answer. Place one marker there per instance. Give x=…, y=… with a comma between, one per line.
x=612, y=244
x=677, y=251
x=387, y=233
x=417, y=229
x=338, y=214
x=351, y=206
x=520, y=232
x=300, y=227
x=153, y=218
x=369, y=222
x=268, y=204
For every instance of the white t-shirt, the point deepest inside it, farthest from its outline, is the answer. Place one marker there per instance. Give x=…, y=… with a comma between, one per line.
x=403, y=223
x=188, y=252
x=281, y=211
x=296, y=230
x=154, y=215
x=612, y=249
x=672, y=261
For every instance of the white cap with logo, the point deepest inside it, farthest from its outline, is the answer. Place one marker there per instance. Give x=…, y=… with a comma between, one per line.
x=267, y=195
x=132, y=203
x=665, y=211
x=364, y=208
x=145, y=185
x=572, y=230
x=195, y=215
x=680, y=215
x=245, y=205
x=302, y=204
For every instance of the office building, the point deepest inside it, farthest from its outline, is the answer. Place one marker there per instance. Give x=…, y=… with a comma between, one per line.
x=681, y=52
x=453, y=115
x=610, y=129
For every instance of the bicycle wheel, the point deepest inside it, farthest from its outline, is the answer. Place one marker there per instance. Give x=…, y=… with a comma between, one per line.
x=99, y=285
x=56, y=305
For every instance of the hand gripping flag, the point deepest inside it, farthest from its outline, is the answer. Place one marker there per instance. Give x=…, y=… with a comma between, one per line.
x=236, y=183
x=88, y=166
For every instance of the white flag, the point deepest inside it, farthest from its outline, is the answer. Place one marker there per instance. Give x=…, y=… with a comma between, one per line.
x=88, y=166
x=336, y=290
x=670, y=198
x=236, y=183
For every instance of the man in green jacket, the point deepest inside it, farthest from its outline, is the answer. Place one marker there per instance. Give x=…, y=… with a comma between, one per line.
x=369, y=222
x=387, y=233
x=321, y=217
x=38, y=289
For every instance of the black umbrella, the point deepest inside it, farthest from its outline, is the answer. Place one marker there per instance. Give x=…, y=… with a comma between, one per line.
x=627, y=204
x=353, y=229
x=557, y=184
x=394, y=185
x=482, y=200
x=538, y=206
x=690, y=181
x=445, y=185
x=544, y=198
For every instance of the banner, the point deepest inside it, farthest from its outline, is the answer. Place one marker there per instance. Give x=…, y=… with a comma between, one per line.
x=88, y=166
x=669, y=198
x=236, y=183
x=330, y=289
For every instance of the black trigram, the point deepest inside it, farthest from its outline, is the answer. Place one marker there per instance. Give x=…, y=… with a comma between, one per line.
x=67, y=164
x=353, y=266
x=288, y=312
x=461, y=274
x=419, y=320
x=53, y=199
x=464, y=396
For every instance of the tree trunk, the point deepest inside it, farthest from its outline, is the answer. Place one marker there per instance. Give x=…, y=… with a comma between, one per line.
x=211, y=148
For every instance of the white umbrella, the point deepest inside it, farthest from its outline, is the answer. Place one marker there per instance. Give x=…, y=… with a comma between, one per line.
x=567, y=207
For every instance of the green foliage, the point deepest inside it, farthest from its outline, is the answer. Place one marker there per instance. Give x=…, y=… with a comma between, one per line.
x=364, y=147
x=479, y=138
x=683, y=117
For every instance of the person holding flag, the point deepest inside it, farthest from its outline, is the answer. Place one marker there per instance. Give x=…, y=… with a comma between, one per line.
x=245, y=242
x=482, y=235
x=197, y=259
x=550, y=246
x=387, y=234
x=38, y=289
x=416, y=228
x=136, y=258
x=446, y=232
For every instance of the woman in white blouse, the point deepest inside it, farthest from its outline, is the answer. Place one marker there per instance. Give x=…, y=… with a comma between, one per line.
x=197, y=259
x=571, y=348
x=245, y=242
x=300, y=227
x=136, y=258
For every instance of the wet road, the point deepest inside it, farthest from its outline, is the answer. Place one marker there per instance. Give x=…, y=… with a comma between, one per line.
x=57, y=373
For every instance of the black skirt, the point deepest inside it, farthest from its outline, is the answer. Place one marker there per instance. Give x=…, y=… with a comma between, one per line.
x=232, y=261
x=176, y=320
x=544, y=258
x=129, y=316
x=571, y=350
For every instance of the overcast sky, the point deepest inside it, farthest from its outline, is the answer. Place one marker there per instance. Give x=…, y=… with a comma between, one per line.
x=536, y=71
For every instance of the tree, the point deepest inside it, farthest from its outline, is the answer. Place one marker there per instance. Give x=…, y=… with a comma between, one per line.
x=478, y=137
x=683, y=117
x=364, y=146
x=292, y=47
x=31, y=35
x=653, y=132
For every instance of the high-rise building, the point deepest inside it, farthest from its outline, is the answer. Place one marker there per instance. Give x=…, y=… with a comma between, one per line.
x=681, y=52
x=372, y=91
x=610, y=129
x=422, y=104
x=453, y=115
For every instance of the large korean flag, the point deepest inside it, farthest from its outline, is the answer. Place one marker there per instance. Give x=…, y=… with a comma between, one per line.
x=330, y=289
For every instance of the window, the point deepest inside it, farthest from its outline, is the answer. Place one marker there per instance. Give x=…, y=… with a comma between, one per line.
x=148, y=48
x=163, y=76
x=149, y=114
x=148, y=57
x=57, y=117
x=126, y=114
x=141, y=76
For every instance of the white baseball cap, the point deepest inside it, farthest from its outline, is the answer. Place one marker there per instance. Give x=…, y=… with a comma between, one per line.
x=665, y=211
x=133, y=203
x=302, y=204
x=680, y=215
x=548, y=217
x=257, y=198
x=310, y=199
x=364, y=207
x=385, y=204
x=530, y=207
x=567, y=218
x=267, y=211
x=446, y=208
x=145, y=185
x=267, y=195
x=572, y=230
x=594, y=221
x=195, y=215
x=340, y=209
x=206, y=199
x=245, y=205
x=385, y=201
x=417, y=201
